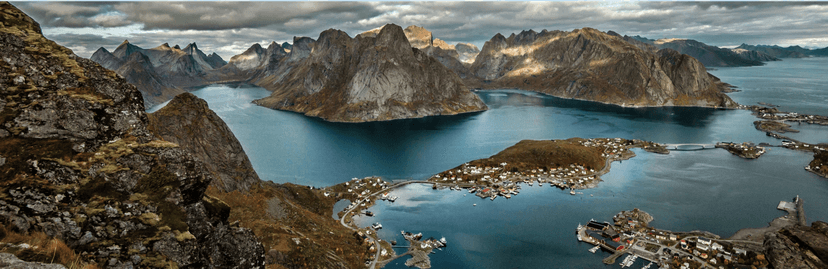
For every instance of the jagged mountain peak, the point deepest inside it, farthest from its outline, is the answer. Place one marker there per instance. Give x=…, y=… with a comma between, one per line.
x=418, y=36
x=177, y=47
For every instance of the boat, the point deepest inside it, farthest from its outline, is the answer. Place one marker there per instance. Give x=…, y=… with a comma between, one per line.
x=474, y=204
x=593, y=250
x=392, y=199
x=369, y=213
x=376, y=226
x=647, y=266
x=579, y=238
x=443, y=240
x=493, y=197
x=508, y=196
x=572, y=192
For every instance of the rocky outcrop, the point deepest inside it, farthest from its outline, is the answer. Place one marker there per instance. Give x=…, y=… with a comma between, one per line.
x=369, y=78
x=587, y=64
x=710, y=56
x=189, y=122
x=754, y=55
x=81, y=165
x=798, y=246
x=417, y=36
x=8, y=260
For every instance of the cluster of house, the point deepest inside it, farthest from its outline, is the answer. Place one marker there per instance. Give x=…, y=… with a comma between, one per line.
x=746, y=149
x=612, y=147
x=365, y=186
x=709, y=251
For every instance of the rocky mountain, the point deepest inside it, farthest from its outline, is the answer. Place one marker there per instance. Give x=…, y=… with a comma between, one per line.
x=370, y=78
x=754, y=55
x=161, y=72
x=591, y=65
x=187, y=121
x=467, y=52
x=444, y=53
x=80, y=165
x=798, y=246
x=710, y=56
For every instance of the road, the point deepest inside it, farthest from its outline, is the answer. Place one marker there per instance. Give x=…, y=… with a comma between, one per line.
x=366, y=199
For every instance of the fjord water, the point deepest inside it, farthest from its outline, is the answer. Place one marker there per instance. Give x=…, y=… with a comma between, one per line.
x=701, y=190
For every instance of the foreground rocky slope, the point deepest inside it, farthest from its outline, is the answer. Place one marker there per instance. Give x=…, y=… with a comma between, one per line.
x=79, y=164
x=370, y=78
x=591, y=65
x=188, y=122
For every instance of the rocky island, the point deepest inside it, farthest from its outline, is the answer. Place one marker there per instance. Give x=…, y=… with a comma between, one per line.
x=370, y=78
x=572, y=164
x=588, y=64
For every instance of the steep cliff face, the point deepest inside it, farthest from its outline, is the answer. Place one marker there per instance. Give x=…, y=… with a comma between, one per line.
x=370, y=79
x=710, y=56
x=189, y=122
x=754, y=55
x=281, y=62
x=591, y=65
x=798, y=247
x=81, y=166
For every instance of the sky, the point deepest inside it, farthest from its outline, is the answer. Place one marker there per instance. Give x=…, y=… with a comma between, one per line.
x=229, y=28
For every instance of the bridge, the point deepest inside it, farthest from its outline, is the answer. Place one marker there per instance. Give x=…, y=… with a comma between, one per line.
x=689, y=147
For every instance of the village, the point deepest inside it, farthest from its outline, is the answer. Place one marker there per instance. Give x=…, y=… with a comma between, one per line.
x=745, y=150
x=630, y=234
x=505, y=179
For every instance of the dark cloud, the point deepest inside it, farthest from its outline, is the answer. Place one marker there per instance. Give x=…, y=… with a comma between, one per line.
x=230, y=27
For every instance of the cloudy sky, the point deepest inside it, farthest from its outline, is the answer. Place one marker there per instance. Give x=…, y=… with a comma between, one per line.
x=228, y=28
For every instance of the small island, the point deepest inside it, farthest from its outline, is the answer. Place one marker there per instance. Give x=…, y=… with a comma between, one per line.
x=573, y=164
x=745, y=150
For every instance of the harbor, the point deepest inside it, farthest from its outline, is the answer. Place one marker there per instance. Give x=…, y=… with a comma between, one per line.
x=630, y=234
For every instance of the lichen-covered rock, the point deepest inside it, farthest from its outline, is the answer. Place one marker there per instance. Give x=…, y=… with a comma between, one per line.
x=10, y=261
x=370, y=78
x=81, y=165
x=189, y=122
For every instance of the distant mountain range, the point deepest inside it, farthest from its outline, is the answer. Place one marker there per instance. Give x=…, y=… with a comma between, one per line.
x=786, y=52
x=369, y=84
x=161, y=72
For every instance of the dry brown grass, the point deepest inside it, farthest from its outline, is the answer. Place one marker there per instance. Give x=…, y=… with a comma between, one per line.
x=319, y=232
x=546, y=154
x=42, y=248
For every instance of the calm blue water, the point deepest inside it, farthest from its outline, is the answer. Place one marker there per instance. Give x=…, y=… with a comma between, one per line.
x=702, y=190
x=289, y=147
x=796, y=85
